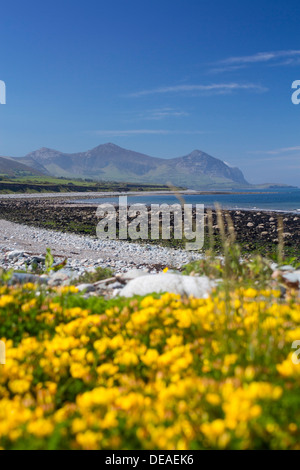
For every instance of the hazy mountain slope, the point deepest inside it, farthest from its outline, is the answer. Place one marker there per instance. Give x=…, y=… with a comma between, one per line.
x=11, y=167
x=109, y=162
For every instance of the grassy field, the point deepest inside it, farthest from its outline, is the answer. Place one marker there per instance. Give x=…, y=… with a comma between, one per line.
x=40, y=184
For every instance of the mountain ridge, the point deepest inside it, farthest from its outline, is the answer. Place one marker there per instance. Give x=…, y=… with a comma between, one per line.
x=109, y=162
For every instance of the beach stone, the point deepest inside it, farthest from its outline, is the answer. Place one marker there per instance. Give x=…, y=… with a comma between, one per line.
x=199, y=287
x=115, y=285
x=86, y=288
x=16, y=254
x=37, y=259
x=23, y=278
x=62, y=277
x=132, y=274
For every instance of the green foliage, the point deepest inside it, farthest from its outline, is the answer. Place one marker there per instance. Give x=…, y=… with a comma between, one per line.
x=49, y=260
x=94, y=276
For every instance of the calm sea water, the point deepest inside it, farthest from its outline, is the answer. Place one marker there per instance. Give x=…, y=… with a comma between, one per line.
x=286, y=200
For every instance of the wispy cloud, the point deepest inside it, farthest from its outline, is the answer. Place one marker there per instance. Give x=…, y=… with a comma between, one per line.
x=280, y=151
x=213, y=88
x=133, y=132
x=279, y=58
x=162, y=113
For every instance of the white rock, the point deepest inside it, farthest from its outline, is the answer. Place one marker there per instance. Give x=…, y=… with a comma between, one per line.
x=133, y=274
x=287, y=268
x=15, y=254
x=292, y=277
x=184, y=285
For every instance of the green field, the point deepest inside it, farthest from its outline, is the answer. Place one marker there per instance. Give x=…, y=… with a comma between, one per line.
x=44, y=184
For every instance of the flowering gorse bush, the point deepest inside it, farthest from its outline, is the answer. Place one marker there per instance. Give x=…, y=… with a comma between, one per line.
x=159, y=372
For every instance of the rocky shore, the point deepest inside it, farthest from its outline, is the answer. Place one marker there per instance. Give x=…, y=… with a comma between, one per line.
x=23, y=249
x=255, y=230
x=30, y=226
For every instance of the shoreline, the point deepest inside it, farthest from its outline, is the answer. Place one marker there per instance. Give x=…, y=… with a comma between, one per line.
x=100, y=194
x=256, y=230
x=75, y=198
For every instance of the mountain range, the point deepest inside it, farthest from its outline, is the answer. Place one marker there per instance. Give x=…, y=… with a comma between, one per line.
x=109, y=162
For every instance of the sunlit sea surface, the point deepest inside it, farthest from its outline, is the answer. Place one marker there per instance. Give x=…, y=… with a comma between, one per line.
x=282, y=200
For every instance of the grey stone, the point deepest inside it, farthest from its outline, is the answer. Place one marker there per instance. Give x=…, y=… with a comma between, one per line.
x=64, y=276
x=86, y=288
x=16, y=254
x=23, y=278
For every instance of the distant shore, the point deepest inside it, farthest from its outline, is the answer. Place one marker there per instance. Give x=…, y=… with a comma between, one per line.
x=103, y=194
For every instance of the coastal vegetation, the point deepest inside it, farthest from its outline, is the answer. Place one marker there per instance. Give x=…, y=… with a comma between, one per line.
x=161, y=371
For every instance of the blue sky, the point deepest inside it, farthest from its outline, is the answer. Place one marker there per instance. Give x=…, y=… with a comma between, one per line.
x=159, y=77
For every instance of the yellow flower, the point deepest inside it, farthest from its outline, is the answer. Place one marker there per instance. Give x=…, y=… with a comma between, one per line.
x=40, y=428
x=6, y=300
x=29, y=305
x=213, y=399
x=19, y=386
x=29, y=286
x=213, y=429
x=78, y=425
x=89, y=440
x=68, y=290
x=150, y=357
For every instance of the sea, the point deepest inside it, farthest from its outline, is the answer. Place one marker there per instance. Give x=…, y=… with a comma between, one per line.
x=279, y=200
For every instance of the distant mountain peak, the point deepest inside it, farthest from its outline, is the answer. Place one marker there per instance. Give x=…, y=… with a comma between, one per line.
x=45, y=150
x=200, y=153
x=110, y=144
x=43, y=153
x=196, y=152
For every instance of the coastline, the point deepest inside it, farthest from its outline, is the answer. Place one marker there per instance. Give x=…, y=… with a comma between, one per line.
x=105, y=194
x=256, y=230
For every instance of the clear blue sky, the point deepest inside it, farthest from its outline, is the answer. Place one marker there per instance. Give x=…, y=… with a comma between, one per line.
x=160, y=77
